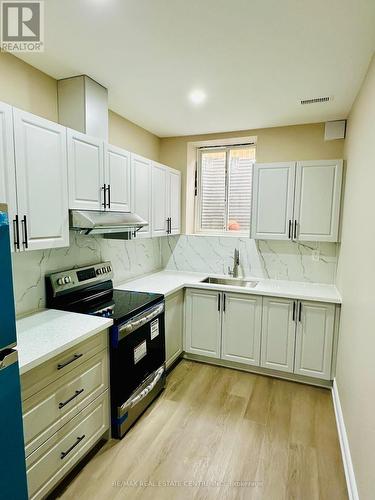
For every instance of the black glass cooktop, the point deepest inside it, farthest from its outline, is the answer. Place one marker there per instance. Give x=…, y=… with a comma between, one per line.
x=102, y=300
x=127, y=303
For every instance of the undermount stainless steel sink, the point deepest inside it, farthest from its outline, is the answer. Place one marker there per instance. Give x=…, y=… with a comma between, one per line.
x=230, y=282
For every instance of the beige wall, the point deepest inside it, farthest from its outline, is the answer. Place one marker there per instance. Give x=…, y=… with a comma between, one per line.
x=130, y=136
x=355, y=279
x=298, y=142
x=26, y=87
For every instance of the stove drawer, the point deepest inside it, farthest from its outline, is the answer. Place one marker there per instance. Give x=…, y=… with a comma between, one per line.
x=36, y=379
x=48, y=410
x=56, y=457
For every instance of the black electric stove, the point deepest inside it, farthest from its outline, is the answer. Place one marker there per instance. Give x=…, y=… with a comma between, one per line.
x=137, y=338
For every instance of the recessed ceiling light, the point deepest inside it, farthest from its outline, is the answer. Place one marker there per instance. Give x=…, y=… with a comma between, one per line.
x=197, y=96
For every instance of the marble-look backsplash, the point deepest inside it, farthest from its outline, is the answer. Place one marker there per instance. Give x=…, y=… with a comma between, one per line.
x=129, y=258
x=282, y=260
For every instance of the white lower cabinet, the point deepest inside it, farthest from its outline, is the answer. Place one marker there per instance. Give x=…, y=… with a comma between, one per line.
x=65, y=411
x=48, y=410
x=57, y=456
x=278, y=334
x=314, y=339
x=174, y=314
x=241, y=328
x=203, y=322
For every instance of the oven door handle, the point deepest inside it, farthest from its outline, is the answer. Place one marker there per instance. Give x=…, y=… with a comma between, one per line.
x=130, y=403
x=137, y=322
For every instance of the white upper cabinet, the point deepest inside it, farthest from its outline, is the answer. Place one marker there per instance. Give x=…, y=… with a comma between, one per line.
x=174, y=201
x=166, y=200
x=159, y=200
x=117, y=178
x=278, y=334
x=86, y=172
x=297, y=201
x=241, y=328
x=203, y=322
x=317, y=202
x=141, y=191
x=41, y=177
x=7, y=167
x=314, y=339
x=273, y=195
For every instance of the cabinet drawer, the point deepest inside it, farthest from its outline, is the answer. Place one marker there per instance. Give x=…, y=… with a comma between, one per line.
x=48, y=410
x=53, y=460
x=38, y=378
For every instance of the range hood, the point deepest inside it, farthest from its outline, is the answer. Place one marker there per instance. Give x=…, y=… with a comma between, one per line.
x=118, y=225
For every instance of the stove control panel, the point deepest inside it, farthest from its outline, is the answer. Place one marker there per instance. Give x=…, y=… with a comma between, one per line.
x=74, y=278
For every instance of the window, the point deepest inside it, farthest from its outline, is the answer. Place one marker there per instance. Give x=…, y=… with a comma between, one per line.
x=223, y=196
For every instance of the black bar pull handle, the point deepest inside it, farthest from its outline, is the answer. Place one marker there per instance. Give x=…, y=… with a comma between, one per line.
x=109, y=196
x=290, y=230
x=224, y=301
x=25, y=242
x=65, y=453
x=74, y=358
x=104, y=189
x=75, y=395
x=218, y=301
x=16, y=230
x=295, y=230
x=300, y=312
x=294, y=310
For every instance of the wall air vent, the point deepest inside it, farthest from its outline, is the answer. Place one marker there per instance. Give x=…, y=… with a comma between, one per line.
x=316, y=100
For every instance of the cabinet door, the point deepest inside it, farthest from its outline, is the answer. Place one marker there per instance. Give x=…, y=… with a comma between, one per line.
x=241, y=330
x=141, y=191
x=272, y=205
x=317, y=200
x=42, y=189
x=117, y=177
x=203, y=322
x=174, y=200
x=174, y=308
x=8, y=192
x=159, y=199
x=86, y=171
x=278, y=334
x=314, y=339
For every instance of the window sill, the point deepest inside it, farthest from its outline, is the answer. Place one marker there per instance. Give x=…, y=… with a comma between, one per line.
x=222, y=235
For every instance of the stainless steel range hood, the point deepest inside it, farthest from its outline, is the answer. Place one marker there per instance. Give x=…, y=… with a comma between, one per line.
x=118, y=225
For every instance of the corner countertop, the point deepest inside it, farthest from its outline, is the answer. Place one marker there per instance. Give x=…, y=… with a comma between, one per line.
x=169, y=282
x=47, y=333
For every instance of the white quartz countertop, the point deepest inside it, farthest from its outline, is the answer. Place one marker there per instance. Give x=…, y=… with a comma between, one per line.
x=45, y=334
x=168, y=282
x=165, y=282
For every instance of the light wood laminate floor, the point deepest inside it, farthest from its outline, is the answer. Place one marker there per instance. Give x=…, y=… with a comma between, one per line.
x=217, y=433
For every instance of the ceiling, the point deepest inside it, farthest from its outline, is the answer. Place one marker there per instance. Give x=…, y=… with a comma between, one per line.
x=254, y=59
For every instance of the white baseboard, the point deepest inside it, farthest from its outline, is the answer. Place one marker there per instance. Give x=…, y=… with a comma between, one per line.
x=344, y=444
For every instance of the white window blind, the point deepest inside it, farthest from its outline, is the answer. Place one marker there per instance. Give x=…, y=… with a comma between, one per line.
x=224, y=194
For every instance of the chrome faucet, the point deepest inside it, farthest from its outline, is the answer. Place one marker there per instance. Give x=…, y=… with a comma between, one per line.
x=234, y=272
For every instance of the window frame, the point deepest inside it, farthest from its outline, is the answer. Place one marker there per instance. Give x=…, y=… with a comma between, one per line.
x=198, y=192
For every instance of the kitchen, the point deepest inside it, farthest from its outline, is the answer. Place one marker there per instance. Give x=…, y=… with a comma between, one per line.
x=186, y=286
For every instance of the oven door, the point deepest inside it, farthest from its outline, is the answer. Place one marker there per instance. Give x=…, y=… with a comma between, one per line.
x=137, y=354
